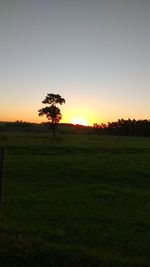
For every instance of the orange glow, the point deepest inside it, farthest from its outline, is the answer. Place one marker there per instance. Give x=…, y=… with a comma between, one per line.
x=78, y=115
x=71, y=113
x=80, y=121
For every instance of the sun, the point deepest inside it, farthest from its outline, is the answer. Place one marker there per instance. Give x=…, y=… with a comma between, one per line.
x=80, y=121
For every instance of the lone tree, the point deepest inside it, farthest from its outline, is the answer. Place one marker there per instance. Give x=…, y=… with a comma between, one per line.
x=51, y=111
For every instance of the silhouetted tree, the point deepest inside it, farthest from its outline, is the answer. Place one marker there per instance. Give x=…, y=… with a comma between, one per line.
x=52, y=112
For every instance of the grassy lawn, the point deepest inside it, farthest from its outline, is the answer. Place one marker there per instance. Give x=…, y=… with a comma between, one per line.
x=75, y=201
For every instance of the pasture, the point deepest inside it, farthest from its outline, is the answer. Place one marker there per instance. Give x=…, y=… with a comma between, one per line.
x=78, y=200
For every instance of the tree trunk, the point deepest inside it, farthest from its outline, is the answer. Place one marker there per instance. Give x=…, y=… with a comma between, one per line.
x=53, y=126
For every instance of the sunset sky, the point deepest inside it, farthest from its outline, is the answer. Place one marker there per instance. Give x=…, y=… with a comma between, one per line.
x=94, y=53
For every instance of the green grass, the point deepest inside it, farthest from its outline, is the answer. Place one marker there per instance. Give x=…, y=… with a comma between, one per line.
x=75, y=201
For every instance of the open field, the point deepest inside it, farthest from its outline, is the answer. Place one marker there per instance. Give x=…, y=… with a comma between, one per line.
x=75, y=201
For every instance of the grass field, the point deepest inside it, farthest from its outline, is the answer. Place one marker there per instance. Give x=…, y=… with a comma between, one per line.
x=75, y=201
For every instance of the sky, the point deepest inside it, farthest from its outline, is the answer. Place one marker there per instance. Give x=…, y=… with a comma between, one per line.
x=95, y=54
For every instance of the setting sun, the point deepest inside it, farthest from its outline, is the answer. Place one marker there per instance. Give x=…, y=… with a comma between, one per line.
x=80, y=121
x=77, y=114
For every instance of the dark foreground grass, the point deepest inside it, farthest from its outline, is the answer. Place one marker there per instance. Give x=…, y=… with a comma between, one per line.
x=75, y=201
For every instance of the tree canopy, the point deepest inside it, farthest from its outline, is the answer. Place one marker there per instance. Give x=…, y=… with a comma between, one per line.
x=53, y=99
x=52, y=112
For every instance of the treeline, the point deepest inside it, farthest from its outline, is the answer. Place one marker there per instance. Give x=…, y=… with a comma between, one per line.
x=120, y=127
x=124, y=127
x=44, y=127
x=20, y=126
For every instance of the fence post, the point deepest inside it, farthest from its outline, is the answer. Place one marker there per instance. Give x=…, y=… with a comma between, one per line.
x=2, y=150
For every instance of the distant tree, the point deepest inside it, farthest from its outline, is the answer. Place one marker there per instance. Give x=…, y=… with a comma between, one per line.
x=51, y=111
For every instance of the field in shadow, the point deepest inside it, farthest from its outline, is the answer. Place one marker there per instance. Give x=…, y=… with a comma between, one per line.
x=75, y=201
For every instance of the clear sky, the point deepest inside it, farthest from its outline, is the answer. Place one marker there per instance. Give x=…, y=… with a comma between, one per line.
x=94, y=53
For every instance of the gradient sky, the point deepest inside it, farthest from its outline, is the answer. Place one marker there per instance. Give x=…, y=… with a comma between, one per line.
x=96, y=54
